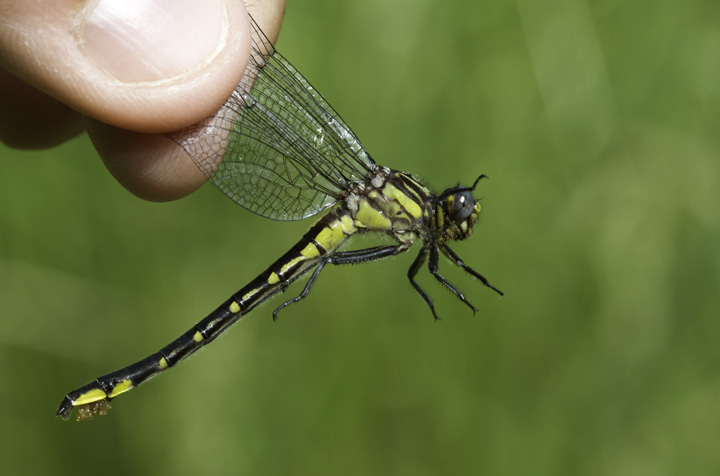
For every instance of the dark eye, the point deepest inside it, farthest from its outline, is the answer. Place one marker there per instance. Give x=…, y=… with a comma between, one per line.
x=462, y=205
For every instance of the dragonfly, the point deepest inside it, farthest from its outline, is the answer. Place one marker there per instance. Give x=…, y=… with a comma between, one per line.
x=277, y=148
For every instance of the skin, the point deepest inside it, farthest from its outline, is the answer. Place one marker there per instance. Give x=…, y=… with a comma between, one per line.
x=66, y=67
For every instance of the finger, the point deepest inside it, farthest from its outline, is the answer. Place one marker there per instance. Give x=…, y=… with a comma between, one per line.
x=152, y=166
x=146, y=65
x=30, y=119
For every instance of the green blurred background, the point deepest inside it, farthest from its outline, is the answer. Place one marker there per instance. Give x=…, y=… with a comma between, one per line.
x=598, y=125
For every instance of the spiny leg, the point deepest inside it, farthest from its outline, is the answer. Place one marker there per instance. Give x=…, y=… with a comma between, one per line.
x=413, y=271
x=433, y=267
x=345, y=257
x=368, y=254
x=459, y=262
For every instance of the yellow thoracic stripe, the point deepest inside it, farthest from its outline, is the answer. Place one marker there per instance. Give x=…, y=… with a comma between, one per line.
x=409, y=204
x=371, y=218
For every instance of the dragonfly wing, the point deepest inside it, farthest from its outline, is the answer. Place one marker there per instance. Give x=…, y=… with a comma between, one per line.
x=276, y=147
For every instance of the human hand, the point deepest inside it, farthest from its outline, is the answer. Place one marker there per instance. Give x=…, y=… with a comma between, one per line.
x=126, y=71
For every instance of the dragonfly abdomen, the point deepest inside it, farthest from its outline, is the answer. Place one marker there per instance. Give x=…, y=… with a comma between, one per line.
x=322, y=239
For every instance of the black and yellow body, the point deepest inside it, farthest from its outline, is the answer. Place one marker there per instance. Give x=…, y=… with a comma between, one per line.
x=281, y=151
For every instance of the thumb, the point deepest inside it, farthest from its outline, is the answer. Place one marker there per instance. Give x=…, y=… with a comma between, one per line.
x=142, y=65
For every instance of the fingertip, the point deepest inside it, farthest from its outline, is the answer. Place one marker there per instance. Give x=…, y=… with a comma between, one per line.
x=181, y=37
x=122, y=66
x=154, y=167
x=150, y=166
x=166, y=73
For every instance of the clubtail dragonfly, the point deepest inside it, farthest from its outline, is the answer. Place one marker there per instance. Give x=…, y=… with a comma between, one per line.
x=280, y=150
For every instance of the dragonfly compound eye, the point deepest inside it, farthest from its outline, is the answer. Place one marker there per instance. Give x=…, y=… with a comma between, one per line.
x=461, y=205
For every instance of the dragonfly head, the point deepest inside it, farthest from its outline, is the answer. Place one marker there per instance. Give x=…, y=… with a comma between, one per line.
x=457, y=212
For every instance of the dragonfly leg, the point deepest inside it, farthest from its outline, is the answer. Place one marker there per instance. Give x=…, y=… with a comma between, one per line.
x=369, y=254
x=413, y=271
x=305, y=291
x=345, y=257
x=433, y=267
x=460, y=263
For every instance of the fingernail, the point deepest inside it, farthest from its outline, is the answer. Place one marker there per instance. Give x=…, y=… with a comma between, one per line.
x=153, y=40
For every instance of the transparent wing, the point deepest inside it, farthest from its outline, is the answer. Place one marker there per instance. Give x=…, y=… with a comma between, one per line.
x=276, y=147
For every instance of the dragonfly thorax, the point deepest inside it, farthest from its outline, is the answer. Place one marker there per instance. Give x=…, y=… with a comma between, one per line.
x=389, y=201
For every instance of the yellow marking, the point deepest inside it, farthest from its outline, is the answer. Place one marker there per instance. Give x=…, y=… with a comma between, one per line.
x=273, y=279
x=121, y=387
x=163, y=363
x=463, y=226
x=411, y=190
x=347, y=225
x=91, y=396
x=310, y=251
x=293, y=261
x=406, y=237
x=234, y=307
x=371, y=218
x=331, y=236
x=407, y=203
x=198, y=337
x=250, y=294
